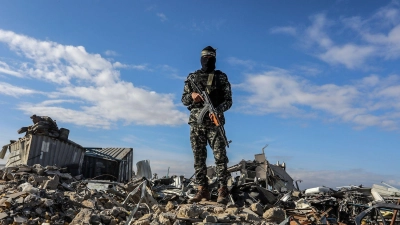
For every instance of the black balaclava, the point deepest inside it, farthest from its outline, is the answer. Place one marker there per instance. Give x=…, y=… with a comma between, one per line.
x=207, y=62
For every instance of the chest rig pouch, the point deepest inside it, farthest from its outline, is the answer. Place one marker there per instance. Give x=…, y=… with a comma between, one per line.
x=210, y=83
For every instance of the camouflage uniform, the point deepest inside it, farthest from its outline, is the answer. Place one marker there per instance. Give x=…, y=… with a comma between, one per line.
x=201, y=134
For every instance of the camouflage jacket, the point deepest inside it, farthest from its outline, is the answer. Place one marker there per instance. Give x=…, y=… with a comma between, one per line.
x=220, y=94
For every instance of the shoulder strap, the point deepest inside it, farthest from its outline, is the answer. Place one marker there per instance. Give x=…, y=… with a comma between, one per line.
x=209, y=82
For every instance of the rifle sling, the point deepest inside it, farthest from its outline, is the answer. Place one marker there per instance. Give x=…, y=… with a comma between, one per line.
x=209, y=82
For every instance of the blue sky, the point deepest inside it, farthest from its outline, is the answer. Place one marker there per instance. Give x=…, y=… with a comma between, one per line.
x=318, y=81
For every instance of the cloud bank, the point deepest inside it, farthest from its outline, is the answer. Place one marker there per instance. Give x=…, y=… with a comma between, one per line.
x=375, y=37
x=101, y=97
x=371, y=101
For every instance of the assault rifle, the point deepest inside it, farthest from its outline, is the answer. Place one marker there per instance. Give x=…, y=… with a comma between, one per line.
x=208, y=107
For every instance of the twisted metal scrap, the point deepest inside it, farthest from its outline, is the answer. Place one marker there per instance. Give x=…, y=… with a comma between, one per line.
x=143, y=185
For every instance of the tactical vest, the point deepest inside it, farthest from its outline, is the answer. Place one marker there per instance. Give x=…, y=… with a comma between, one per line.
x=210, y=82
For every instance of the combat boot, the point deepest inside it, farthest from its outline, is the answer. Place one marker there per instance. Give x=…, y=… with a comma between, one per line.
x=223, y=195
x=201, y=193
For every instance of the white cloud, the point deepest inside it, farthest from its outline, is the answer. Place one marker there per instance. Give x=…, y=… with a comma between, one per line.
x=49, y=58
x=162, y=17
x=8, y=89
x=388, y=44
x=123, y=101
x=393, y=91
x=110, y=53
x=101, y=107
x=151, y=8
x=66, y=115
x=352, y=56
x=284, y=30
x=308, y=70
x=316, y=32
x=117, y=65
x=55, y=102
x=98, y=98
x=145, y=67
x=382, y=30
x=240, y=62
x=278, y=91
x=377, y=36
x=389, y=14
x=172, y=72
x=370, y=81
x=5, y=69
x=168, y=68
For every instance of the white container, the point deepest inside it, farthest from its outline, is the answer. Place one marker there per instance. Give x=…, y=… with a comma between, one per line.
x=316, y=190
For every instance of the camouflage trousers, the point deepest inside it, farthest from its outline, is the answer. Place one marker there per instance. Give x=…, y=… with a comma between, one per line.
x=200, y=135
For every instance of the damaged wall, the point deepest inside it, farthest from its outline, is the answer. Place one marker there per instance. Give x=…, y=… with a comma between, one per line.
x=100, y=168
x=46, y=151
x=117, y=162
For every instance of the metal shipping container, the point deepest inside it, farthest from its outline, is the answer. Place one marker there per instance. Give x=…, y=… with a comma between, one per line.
x=46, y=151
x=108, y=164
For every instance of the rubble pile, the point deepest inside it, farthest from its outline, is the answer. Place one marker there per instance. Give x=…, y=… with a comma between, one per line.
x=253, y=204
x=46, y=195
x=259, y=192
x=44, y=125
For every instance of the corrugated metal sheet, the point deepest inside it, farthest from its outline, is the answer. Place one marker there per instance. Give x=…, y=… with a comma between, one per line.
x=126, y=166
x=122, y=156
x=118, y=153
x=46, y=151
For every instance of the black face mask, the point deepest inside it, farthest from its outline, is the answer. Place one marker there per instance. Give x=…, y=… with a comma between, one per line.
x=208, y=64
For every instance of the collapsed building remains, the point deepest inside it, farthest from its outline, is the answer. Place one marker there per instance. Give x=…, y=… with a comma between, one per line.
x=47, y=195
x=116, y=163
x=38, y=149
x=46, y=145
x=260, y=170
x=260, y=193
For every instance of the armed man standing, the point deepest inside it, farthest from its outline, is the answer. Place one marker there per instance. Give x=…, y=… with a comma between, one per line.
x=208, y=91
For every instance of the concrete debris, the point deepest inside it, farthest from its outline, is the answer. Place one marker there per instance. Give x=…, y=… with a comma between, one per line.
x=47, y=195
x=260, y=193
x=274, y=215
x=257, y=208
x=44, y=125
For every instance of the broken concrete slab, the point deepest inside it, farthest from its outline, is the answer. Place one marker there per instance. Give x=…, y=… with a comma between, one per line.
x=52, y=183
x=276, y=215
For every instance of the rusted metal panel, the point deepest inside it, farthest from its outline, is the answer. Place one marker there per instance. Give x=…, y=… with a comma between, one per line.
x=46, y=151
